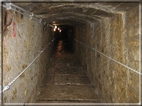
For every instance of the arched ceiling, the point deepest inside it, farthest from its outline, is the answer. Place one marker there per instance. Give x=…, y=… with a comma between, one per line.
x=75, y=13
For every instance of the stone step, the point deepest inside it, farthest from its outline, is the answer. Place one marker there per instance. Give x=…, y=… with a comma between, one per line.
x=68, y=93
x=68, y=70
x=68, y=101
x=65, y=79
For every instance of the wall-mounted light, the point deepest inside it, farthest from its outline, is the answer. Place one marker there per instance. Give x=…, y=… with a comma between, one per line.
x=59, y=30
x=55, y=27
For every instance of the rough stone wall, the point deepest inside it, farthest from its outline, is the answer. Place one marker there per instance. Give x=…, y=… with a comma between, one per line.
x=116, y=37
x=132, y=46
x=0, y=56
x=22, y=42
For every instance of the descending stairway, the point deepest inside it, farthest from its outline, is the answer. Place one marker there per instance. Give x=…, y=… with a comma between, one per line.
x=66, y=81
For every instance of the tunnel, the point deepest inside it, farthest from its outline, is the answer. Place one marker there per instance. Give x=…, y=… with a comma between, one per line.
x=85, y=53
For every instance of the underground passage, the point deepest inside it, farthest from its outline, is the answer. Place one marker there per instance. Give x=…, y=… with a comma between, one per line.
x=71, y=53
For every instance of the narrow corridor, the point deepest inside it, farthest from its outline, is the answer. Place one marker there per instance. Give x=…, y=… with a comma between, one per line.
x=65, y=80
x=71, y=52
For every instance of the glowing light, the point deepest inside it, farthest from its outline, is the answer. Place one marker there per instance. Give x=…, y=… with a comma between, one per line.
x=60, y=30
x=55, y=27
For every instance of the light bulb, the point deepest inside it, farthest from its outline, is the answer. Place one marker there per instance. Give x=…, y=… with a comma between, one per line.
x=55, y=27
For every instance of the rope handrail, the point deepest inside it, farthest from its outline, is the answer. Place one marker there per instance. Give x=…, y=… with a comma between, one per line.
x=110, y=58
x=9, y=84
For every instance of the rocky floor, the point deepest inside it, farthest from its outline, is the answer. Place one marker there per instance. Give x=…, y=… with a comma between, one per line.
x=66, y=81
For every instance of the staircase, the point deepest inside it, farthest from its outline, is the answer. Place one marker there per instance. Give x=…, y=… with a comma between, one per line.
x=66, y=81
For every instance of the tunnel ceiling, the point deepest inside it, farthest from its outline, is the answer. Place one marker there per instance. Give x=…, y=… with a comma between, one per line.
x=75, y=13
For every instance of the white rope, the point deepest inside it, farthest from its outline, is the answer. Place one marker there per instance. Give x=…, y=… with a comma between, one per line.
x=47, y=45
x=110, y=58
x=8, y=85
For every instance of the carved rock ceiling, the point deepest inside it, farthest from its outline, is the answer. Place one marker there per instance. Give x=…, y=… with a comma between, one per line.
x=73, y=12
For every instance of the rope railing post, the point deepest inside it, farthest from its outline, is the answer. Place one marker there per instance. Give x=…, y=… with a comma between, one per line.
x=9, y=84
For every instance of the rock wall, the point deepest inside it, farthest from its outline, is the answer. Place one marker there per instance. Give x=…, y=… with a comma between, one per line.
x=105, y=38
x=22, y=42
x=116, y=37
x=0, y=56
